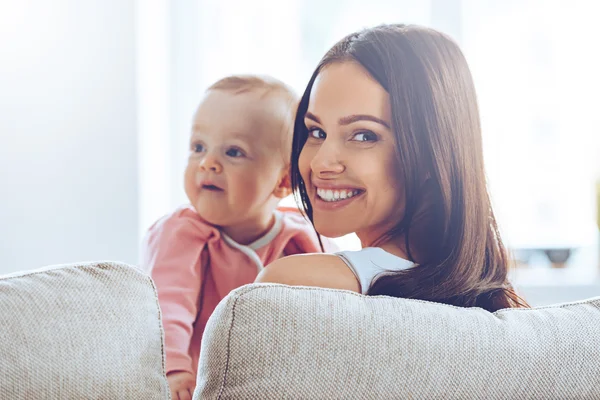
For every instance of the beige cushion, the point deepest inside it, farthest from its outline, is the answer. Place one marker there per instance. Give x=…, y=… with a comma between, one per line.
x=267, y=341
x=87, y=331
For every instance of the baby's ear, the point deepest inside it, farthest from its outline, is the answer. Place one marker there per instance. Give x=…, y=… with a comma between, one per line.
x=284, y=188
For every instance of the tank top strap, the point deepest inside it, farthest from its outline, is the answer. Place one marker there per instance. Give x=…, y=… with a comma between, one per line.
x=368, y=263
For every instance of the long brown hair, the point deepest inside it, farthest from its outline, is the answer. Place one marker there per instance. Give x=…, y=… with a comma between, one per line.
x=448, y=228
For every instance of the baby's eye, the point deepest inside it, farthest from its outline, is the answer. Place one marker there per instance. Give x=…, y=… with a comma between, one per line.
x=197, y=148
x=365, y=136
x=317, y=133
x=235, y=152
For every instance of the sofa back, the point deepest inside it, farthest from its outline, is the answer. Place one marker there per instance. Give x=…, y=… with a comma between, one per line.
x=81, y=331
x=273, y=341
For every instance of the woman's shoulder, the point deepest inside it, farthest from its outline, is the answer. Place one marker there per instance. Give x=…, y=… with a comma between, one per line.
x=320, y=270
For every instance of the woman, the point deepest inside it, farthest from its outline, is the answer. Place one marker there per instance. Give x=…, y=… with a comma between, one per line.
x=387, y=144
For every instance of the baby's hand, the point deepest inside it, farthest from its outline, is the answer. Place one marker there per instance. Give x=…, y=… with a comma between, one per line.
x=182, y=385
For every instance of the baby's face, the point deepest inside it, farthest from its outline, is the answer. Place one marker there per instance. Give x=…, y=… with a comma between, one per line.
x=237, y=157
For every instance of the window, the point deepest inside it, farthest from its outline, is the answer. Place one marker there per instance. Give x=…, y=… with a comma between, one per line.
x=534, y=64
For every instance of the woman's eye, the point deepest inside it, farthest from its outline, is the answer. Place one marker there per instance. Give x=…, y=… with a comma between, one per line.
x=197, y=148
x=233, y=152
x=317, y=133
x=365, y=136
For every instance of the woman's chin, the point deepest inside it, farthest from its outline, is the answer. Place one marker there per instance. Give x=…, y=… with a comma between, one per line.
x=328, y=231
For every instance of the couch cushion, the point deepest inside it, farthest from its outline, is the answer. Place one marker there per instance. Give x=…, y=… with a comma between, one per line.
x=81, y=331
x=273, y=341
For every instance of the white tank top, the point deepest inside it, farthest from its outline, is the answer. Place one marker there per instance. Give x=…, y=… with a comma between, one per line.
x=370, y=262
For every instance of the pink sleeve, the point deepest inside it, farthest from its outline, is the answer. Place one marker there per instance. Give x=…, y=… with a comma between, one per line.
x=300, y=236
x=171, y=253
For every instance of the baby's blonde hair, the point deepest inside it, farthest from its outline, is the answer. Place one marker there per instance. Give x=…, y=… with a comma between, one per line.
x=245, y=83
x=269, y=86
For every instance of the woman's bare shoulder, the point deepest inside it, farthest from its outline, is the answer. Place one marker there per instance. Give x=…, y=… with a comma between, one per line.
x=321, y=270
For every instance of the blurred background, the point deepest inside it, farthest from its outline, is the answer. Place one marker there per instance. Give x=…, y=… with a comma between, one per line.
x=96, y=99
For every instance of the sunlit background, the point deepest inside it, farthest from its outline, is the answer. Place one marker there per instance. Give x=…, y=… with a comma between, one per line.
x=96, y=98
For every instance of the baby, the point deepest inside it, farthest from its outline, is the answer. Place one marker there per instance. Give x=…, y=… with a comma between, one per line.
x=237, y=172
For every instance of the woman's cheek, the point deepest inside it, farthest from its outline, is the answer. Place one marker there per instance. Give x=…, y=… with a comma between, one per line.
x=304, y=163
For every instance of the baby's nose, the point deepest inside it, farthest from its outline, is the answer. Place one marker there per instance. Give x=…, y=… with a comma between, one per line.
x=210, y=163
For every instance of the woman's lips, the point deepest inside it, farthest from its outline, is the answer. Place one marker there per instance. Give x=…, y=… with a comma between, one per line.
x=333, y=199
x=336, y=194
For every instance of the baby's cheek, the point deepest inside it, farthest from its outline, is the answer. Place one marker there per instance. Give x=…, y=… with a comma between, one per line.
x=244, y=183
x=188, y=175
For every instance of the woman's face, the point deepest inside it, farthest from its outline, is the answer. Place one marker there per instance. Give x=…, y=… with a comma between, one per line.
x=349, y=162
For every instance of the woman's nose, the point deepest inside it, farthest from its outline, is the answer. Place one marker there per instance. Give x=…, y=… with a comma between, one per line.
x=328, y=160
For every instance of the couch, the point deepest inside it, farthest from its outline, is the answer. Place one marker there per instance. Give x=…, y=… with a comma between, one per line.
x=268, y=341
x=81, y=331
x=93, y=331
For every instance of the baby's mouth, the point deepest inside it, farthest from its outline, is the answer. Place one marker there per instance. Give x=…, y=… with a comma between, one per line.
x=207, y=184
x=212, y=188
x=331, y=195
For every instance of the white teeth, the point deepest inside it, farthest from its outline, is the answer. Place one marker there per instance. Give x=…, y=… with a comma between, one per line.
x=336, y=195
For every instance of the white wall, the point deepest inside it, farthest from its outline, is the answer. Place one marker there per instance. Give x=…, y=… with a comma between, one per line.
x=168, y=54
x=68, y=167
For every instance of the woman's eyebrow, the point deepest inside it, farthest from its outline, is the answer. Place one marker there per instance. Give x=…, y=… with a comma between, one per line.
x=351, y=119
x=362, y=117
x=312, y=116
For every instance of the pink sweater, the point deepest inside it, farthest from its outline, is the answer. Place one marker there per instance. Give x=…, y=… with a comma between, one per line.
x=194, y=266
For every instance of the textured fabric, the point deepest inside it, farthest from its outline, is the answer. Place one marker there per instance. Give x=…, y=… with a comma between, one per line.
x=370, y=262
x=87, y=331
x=269, y=341
x=194, y=267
